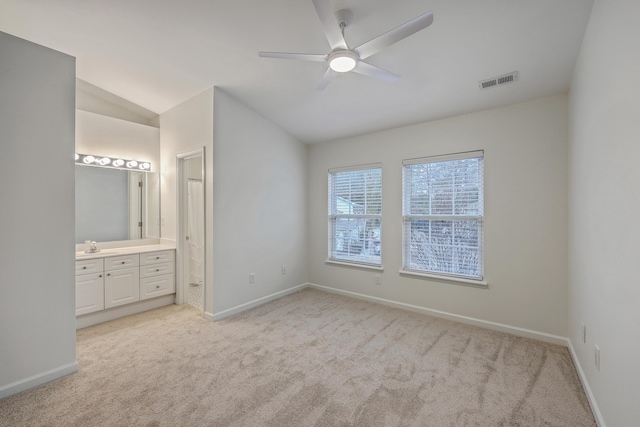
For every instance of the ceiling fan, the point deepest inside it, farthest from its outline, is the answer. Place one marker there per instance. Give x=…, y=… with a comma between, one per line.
x=343, y=59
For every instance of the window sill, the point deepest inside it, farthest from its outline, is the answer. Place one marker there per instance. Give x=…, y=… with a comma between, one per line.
x=479, y=283
x=352, y=264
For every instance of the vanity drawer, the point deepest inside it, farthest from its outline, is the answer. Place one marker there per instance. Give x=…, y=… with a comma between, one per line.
x=156, y=257
x=155, y=286
x=123, y=261
x=156, y=269
x=89, y=266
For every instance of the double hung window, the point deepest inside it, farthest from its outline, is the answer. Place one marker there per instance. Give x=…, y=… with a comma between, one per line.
x=355, y=214
x=442, y=215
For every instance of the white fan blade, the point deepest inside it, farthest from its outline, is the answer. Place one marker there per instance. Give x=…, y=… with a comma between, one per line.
x=393, y=36
x=329, y=23
x=298, y=56
x=326, y=79
x=375, y=72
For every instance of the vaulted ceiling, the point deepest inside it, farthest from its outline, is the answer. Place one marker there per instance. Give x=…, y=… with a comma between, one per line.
x=158, y=53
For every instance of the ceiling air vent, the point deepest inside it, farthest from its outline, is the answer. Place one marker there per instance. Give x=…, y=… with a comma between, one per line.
x=499, y=81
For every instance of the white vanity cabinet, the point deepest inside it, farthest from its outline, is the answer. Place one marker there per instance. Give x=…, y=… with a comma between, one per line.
x=135, y=280
x=157, y=274
x=89, y=286
x=122, y=280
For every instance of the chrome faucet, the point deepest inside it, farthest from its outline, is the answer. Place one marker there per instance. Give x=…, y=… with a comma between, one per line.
x=93, y=248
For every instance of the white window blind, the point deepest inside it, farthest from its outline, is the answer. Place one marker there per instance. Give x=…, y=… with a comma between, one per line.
x=443, y=200
x=355, y=214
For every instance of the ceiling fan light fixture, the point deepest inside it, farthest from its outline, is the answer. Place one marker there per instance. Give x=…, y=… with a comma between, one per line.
x=342, y=61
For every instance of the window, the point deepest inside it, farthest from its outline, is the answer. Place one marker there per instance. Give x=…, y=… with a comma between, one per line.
x=355, y=214
x=442, y=215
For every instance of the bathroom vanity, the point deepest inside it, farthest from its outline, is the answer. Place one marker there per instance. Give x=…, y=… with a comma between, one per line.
x=118, y=282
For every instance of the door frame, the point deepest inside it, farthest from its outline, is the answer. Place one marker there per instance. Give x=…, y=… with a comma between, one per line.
x=182, y=224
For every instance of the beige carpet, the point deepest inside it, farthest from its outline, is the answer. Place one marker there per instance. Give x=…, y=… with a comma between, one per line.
x=309, y=359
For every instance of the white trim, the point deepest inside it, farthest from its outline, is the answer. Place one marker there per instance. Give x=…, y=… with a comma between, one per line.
x=444, y=157
x=124, y=310
x=479, y=283
x=251, y=304
x=38, y=379
x=181, y=224
x=354, y=264
x=585, y=384
x=208, y=316
x=355, y=168
x=513, y=330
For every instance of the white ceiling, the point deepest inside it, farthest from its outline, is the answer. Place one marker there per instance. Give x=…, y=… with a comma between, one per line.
x=158, y=53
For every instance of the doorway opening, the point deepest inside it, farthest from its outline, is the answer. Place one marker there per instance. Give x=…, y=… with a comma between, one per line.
x=191, y=230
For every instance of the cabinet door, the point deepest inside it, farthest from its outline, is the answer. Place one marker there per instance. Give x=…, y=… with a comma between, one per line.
x=121, y=287
x=89, y=293
x=155, y=286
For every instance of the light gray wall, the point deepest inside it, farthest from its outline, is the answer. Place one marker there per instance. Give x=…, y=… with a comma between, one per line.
x=194, y=168
x=37, y=290
x=96, y=100
x=259, y=206
x=101, y=135
x=185, y=128
x=525, y=238
x=605, y=206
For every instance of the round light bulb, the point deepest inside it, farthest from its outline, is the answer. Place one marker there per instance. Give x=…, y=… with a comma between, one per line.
x=118, y=163
x=77, y=156
x=89, y=159
x=132, y=164
x=342, y=61
x=145, y=166
x=105, y=161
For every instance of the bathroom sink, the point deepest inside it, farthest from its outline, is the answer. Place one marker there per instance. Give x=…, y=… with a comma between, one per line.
x=96, y=254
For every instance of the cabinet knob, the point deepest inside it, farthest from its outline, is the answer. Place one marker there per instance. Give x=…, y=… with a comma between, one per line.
x=157, y=257
x=108, y=274
x=157, y=269
x=123, y=262
x=84, y=268
x=157, y=286
x=100, y=275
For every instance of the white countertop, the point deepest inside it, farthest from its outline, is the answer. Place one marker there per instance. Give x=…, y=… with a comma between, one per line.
x=105, y=253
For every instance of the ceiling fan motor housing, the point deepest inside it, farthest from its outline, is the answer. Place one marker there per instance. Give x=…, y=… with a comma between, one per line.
x=342, y=60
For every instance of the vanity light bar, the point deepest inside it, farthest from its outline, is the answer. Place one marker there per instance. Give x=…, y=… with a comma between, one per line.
x=111, y=162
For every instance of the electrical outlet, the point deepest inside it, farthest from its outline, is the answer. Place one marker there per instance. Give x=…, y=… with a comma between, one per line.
x=284, y=270
x=378, y=280
x=597, y=357
x=584, y=333
x=252, y=277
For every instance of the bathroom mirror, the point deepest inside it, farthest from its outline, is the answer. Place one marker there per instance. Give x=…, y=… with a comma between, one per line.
x=115, y=204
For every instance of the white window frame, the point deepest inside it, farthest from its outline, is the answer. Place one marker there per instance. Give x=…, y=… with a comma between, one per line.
x=407, y=217
x=334, y=216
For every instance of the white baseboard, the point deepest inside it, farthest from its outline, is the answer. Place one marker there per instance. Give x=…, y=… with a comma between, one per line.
x=123, y=310
x=38, y=379
x=246, y=306
x=513, y=330
x=585, y=384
